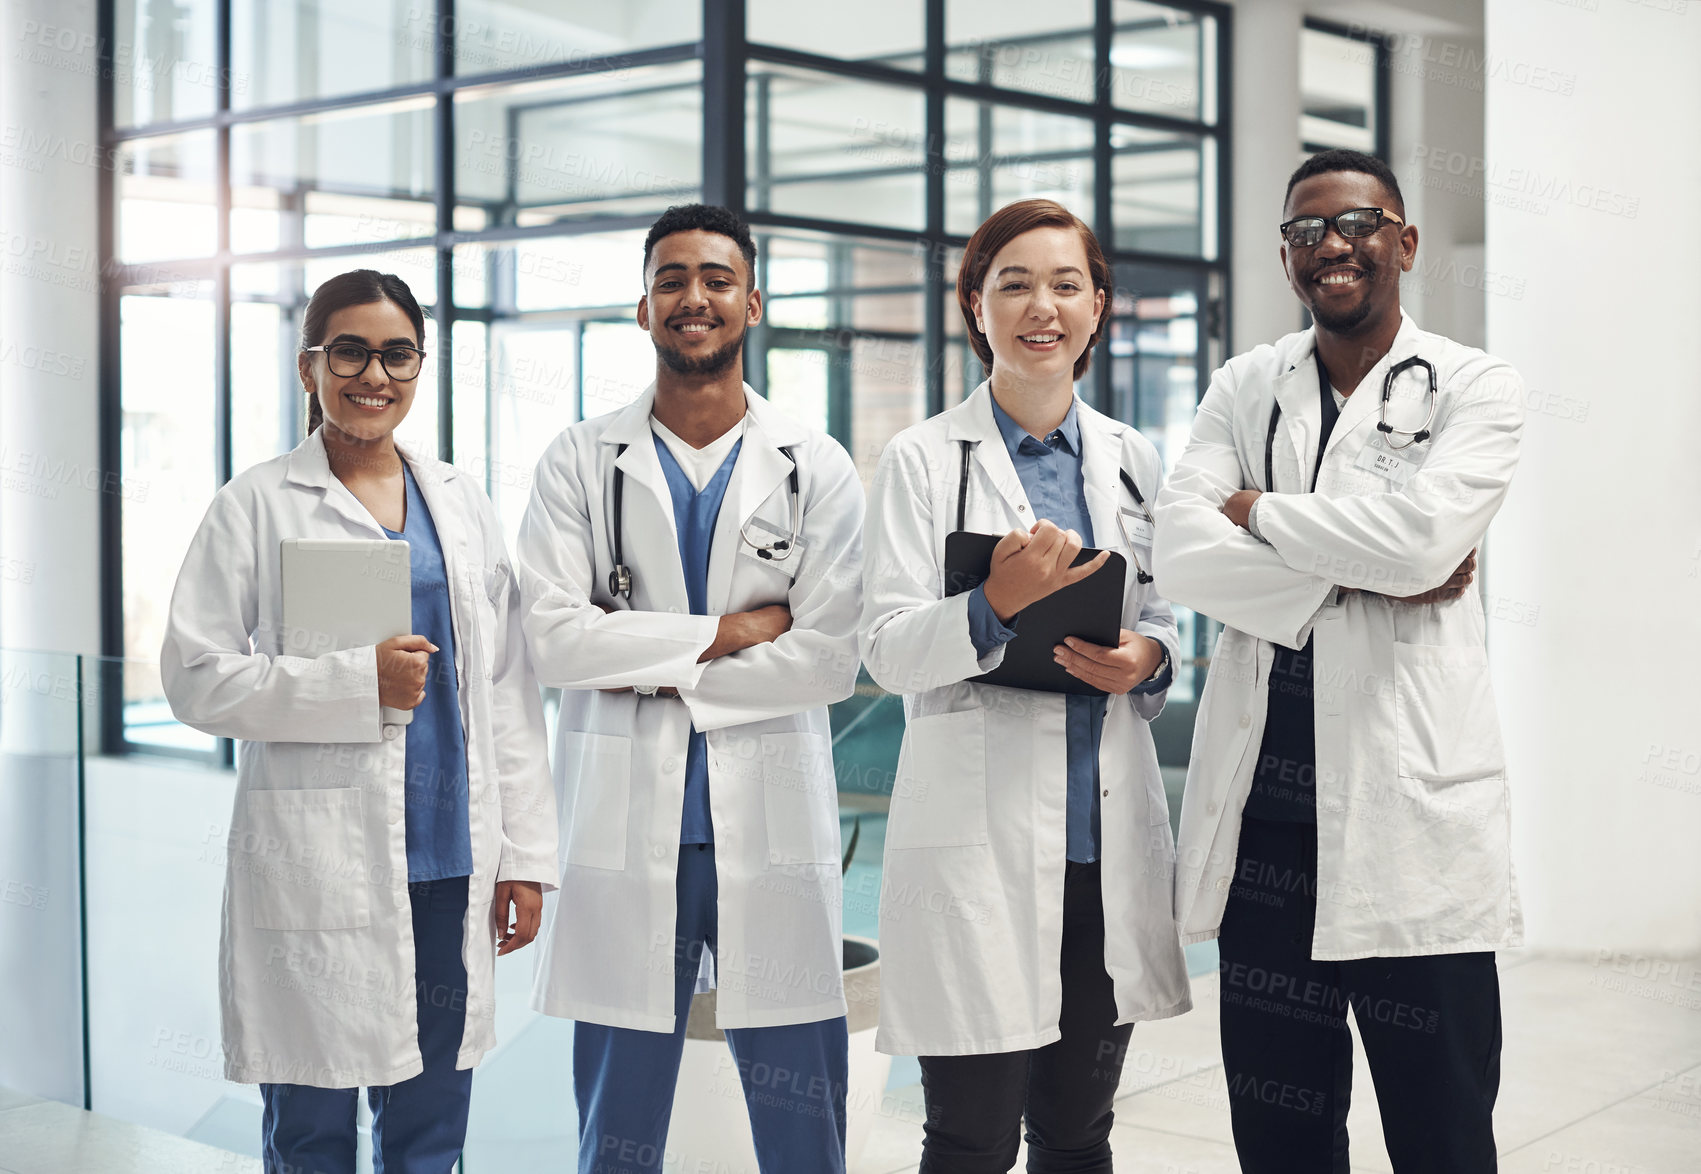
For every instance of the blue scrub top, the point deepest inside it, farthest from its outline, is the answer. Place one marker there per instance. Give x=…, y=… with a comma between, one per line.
x=439, y=837
x=694, y=515
x=1050, y=472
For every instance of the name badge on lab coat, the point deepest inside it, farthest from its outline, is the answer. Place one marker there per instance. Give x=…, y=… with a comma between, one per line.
x=766, y=533
x=1376, y=459
x=1138, y=527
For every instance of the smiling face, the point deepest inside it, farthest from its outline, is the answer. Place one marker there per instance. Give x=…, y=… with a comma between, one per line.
x=700, y=302
x=1349, y=285
x=370, y=405
x=1038, y=307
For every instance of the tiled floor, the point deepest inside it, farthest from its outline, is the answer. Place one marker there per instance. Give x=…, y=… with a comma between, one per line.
x=1601, y=1075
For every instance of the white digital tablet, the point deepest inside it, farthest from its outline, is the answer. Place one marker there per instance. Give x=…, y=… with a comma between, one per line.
x=345, y=593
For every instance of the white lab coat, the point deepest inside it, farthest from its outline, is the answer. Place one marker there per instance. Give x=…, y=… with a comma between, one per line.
x=316, y=975
x=620, y=757
x=1412, y=839
x=971, y=904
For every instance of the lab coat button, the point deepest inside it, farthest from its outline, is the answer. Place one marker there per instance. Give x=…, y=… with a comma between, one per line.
x=1212, y=807
x=1106, y=794
x=670, y=764
x=1245, y=720
x=659, y=851
x=391, y=733
x=673, y=610
x=1021, y=509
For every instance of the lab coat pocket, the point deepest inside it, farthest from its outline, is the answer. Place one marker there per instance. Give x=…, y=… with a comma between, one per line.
x=598, y=769
x=295, y=851
x=939, y=799
x=800, y=799
x=1445, y=718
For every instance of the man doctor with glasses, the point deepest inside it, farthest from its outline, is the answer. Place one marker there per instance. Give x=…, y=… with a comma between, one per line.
x=1344, y=832
x=690, y=569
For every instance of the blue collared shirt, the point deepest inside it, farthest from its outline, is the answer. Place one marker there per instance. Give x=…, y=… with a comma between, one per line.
x=1050, y=472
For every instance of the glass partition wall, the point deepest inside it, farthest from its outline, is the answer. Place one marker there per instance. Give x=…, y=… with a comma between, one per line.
x=505, y=158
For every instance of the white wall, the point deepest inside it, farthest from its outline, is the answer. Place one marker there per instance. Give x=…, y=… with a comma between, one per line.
x=1265, y=152
x=1593, y=200
x=49, y=513
x=1436, y=107
x=49, y=280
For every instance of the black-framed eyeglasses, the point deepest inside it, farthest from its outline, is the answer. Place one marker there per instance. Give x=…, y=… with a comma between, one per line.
x=348, y=359
x=1303, y=232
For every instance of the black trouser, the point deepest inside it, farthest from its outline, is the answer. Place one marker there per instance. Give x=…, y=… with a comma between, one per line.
x=1430, y=1026
x=975, y=1104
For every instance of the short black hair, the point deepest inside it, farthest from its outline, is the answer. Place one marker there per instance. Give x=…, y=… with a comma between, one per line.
x=708, y=218
x=1338, y=159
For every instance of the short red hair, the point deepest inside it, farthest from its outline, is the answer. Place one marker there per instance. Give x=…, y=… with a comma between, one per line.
x=1004, y=226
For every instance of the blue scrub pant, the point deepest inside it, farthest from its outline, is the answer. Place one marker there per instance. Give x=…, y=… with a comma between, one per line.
x=419, y=1125
x=793, y=1076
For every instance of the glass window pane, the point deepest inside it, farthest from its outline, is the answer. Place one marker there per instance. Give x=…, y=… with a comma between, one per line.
x=843, y=336
x=1154, y=349
x=343, y=177
x=619, y=362
x=164, y=61
x=886, y=32
x=472, y=405
x=1045, y=49
x=165, y=344
x=1163, y=60
x=1163, y=193
x=1337, y=84
x=493, y=35
x=996, y=154
x=835, y=148
x=602, y=271
x=603, y=145
x=797, y=385
x=267, y=406
x=532, y=395
x=167, y=198
x=294, y=50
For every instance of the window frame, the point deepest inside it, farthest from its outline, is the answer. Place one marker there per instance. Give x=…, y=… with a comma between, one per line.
x=726, y=55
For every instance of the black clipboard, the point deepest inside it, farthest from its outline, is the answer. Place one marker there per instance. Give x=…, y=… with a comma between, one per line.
x=1090, y=610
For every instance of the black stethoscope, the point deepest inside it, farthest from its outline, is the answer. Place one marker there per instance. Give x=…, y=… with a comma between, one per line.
x=620, y=578
x=1141, y=575
x=1327, y=399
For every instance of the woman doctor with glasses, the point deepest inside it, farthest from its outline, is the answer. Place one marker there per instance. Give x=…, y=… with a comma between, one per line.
x=1025, y=919
x=375, y=870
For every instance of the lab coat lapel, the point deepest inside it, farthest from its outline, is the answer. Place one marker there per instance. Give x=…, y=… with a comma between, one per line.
x=1302, y=417
x=760, y=471
x=463, y=572
x=972, y=421
x=1101, y=464
x=651, y=544
x=310, y=468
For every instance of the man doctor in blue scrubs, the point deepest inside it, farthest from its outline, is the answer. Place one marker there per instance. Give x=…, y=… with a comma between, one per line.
x=766, y=513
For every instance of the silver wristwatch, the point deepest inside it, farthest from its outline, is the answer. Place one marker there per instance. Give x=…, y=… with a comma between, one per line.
x=1163, y=664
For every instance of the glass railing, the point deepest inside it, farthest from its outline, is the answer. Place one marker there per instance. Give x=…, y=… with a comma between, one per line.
x=112, y=869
